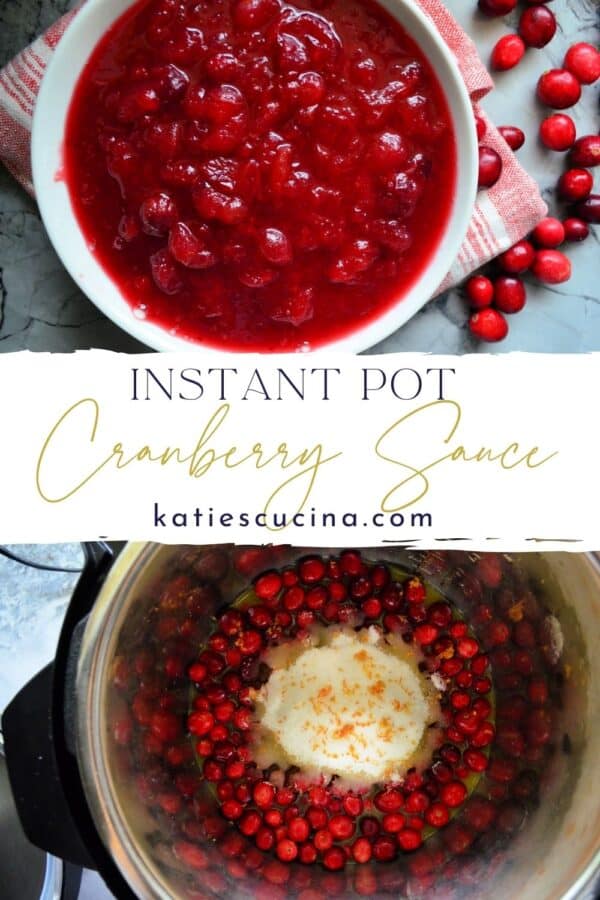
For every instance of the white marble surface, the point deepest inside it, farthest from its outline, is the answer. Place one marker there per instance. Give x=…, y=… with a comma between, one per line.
x=41, y=309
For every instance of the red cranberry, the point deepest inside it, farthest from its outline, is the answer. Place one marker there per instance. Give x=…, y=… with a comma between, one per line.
x=589, y=209
x=265, y=838
x=384, y=848
x=467, y=647
x=158, y=214
x=551, y=267
x=453, y=794
x=575, y=184
x=517, y=259
x=264, y=794
x=476, y=760
x=557, y=132
x=165, y=273
x=361, y=850
x=252, y=14
x=537, y=691
x=558, y=88
x=549, y=233
x=537, y=26
x=575, y=230
x=488, y=325
x=509, y=294
x=484, y=735
x=200, y=723
x=389, y=800
x=286, y=850
x=334, y=859
x=514, y=137
x=414, y=590
x=370, y=826
x=503, y=770
x=494, y=8
x=538, y=727
x=490, y=167
x=437, y=815
x=341, y=827
x=308, y=855
x=481, y=126
x=583, y=61
x=409, y=839
x=507, y=52
x=585, y=152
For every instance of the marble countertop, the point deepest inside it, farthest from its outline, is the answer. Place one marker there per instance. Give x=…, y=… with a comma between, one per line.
x=42, y=309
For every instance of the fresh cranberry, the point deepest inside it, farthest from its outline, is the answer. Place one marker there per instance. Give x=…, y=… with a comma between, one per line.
x=575, y=230
x=488, y=325
x=490, y=167
x=558, y=88
x=589, y=209
x=437, y=815
x=480, y=126
x=476, y=760
x=362, y=850
x=514, y=137
x=537, y=26
x=508, y=52
x=453, y=794
x=409, y=839
x=583, y=61
x=341, y=827
x=493, y=8
x=479, y=291
x=585, y=152
x=264, y=794
x=549, y=233
x=557, y=132
x=189, y=250
x=517, y=259
x=509, y=294
x=551, y=267
x=575, y=184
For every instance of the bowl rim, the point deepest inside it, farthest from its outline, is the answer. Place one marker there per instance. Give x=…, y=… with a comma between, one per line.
x=54, y=199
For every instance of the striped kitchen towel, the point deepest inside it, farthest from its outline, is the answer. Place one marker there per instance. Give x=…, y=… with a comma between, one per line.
x=502, y=215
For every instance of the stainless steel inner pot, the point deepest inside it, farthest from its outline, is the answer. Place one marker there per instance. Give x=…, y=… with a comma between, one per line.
x=555, y=855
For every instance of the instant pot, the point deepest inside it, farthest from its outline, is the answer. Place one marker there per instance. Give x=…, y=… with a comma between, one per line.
x=81, y=799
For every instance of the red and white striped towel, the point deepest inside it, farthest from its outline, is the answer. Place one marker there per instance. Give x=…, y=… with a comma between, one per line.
x=502, y=215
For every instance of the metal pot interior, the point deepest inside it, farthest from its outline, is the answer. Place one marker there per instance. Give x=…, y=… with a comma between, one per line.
x=549, y=852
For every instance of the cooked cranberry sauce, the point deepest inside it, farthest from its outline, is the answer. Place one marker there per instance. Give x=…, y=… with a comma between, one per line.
x=258, y=175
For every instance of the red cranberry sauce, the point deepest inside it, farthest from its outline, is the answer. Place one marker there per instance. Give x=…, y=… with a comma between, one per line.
x=257, y=175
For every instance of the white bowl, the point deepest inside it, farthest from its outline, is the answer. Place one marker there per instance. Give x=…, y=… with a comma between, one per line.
x=49, y=125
